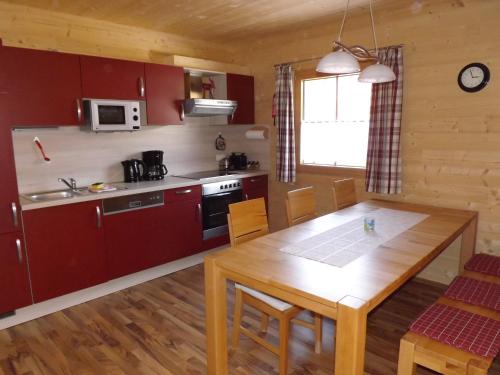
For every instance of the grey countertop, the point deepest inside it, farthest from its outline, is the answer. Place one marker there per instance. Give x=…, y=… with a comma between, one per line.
x=123, y=189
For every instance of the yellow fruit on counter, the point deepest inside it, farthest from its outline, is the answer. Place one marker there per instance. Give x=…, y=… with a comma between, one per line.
x=97, y=186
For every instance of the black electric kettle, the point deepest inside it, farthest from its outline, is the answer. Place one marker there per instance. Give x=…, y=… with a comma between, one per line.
x=133, y=170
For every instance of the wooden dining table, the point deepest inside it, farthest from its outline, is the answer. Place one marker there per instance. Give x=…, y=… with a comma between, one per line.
x=346, y=294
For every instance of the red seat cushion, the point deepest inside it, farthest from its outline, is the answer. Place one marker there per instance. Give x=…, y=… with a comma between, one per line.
x=484, y=263
x=475, y=292
x=460, y=329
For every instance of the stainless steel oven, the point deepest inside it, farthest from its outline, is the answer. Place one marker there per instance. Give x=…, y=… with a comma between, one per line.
x=216, y=197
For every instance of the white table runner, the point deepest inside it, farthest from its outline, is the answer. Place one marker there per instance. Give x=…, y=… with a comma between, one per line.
x=347, y=242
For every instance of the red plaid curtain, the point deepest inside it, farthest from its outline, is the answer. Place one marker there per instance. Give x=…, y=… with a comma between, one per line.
x=283, y=120
x=383, y=163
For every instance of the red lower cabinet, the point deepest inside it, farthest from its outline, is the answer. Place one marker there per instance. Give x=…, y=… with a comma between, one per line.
x=185, y=220
x=185, y=227
x=151, y=236
x=75, y=246
x=136, y=240
x=14, y=282
x=65, y=245
x=255, y=187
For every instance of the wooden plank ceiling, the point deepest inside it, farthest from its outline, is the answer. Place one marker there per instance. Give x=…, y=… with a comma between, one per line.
x=215, y=20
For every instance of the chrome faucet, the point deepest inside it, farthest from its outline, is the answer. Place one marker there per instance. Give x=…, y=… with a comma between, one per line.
x=71, y=184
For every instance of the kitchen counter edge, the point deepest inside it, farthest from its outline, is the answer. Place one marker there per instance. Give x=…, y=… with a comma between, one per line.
x=169, y=182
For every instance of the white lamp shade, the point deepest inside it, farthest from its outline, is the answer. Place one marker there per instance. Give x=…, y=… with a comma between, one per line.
x=338, y=62
x=377, y=73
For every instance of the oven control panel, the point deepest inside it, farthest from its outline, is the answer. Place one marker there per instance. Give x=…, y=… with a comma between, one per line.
x=221, y=187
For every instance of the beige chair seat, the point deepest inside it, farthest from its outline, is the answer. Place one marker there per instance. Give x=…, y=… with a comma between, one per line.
x=271, y=301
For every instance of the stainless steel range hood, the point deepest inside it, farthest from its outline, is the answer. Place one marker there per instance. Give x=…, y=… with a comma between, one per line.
x=195, y=105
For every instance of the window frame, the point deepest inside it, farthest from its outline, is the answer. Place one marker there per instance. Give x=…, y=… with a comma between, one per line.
x=340, y=171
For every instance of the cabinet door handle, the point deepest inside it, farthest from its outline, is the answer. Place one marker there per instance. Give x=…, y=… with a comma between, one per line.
x=15, y=218
x=198, y=206
x=19, y=251
x=182, y=192
x=79, y=110
x=142, y=88
x=99, y=217
x=246, y=196
x=253, y=180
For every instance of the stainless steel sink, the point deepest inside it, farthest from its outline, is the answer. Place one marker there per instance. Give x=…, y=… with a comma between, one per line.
x=50, y=196
x=62, y=194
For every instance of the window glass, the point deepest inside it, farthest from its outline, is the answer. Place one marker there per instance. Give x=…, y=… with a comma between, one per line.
x=335, y=120
x=355, y=99
x=319, y=99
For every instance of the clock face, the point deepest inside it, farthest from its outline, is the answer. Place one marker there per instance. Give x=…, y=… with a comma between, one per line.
x=473, y=77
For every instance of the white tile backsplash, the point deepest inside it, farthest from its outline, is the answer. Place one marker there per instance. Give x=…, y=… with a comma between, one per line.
x=91, y=157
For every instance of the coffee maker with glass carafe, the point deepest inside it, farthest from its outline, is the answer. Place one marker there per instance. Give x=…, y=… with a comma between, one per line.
x=155, y=169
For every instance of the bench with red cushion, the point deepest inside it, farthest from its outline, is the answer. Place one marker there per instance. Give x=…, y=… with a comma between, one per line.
x=461, y=329
x=475, y=292
x=484, y=263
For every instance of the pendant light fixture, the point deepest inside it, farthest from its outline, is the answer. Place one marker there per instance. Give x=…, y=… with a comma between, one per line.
x=345, y=59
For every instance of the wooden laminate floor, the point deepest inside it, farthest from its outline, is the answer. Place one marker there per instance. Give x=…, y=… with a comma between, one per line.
x=158, y=328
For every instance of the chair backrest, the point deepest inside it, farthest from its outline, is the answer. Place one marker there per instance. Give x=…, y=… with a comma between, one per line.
x=344, y=193
x=300, y=205
x=247, y=220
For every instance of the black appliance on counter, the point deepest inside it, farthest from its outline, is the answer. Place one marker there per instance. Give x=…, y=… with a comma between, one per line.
x=155, y=169
x=238, y=161
x=133, y=170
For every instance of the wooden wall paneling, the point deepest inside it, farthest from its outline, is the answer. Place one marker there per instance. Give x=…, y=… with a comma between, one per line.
x=22, y=26
x=449, y=138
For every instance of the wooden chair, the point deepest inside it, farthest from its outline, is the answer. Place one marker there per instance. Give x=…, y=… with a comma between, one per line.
x=300, y=205
x=247, y=220
x=344, y=193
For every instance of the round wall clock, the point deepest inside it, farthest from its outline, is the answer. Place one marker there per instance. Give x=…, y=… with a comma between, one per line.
x=473, y=77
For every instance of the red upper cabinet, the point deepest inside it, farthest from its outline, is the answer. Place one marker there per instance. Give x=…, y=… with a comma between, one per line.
x=14, y=282
x=41, y=87
x=104, y=78
x=165, y=91
x=66, y=248
x=241, y=89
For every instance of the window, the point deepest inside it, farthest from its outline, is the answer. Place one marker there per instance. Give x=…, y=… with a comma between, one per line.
x=334, y=121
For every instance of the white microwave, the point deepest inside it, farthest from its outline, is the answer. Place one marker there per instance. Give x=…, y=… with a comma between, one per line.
x=113, y=115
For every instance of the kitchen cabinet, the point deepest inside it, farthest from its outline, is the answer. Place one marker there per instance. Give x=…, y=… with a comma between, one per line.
x=65, y=246
x=41, y=87
x=104, y=78
x=10, y=215
x=136, y=240
x=14, y=281
x=165, y=91
x=150, y=236
x=241, y=89
x=255, y=187
x=185, y=220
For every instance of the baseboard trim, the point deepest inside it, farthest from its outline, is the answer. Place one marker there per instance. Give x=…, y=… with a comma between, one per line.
x=38, y=310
